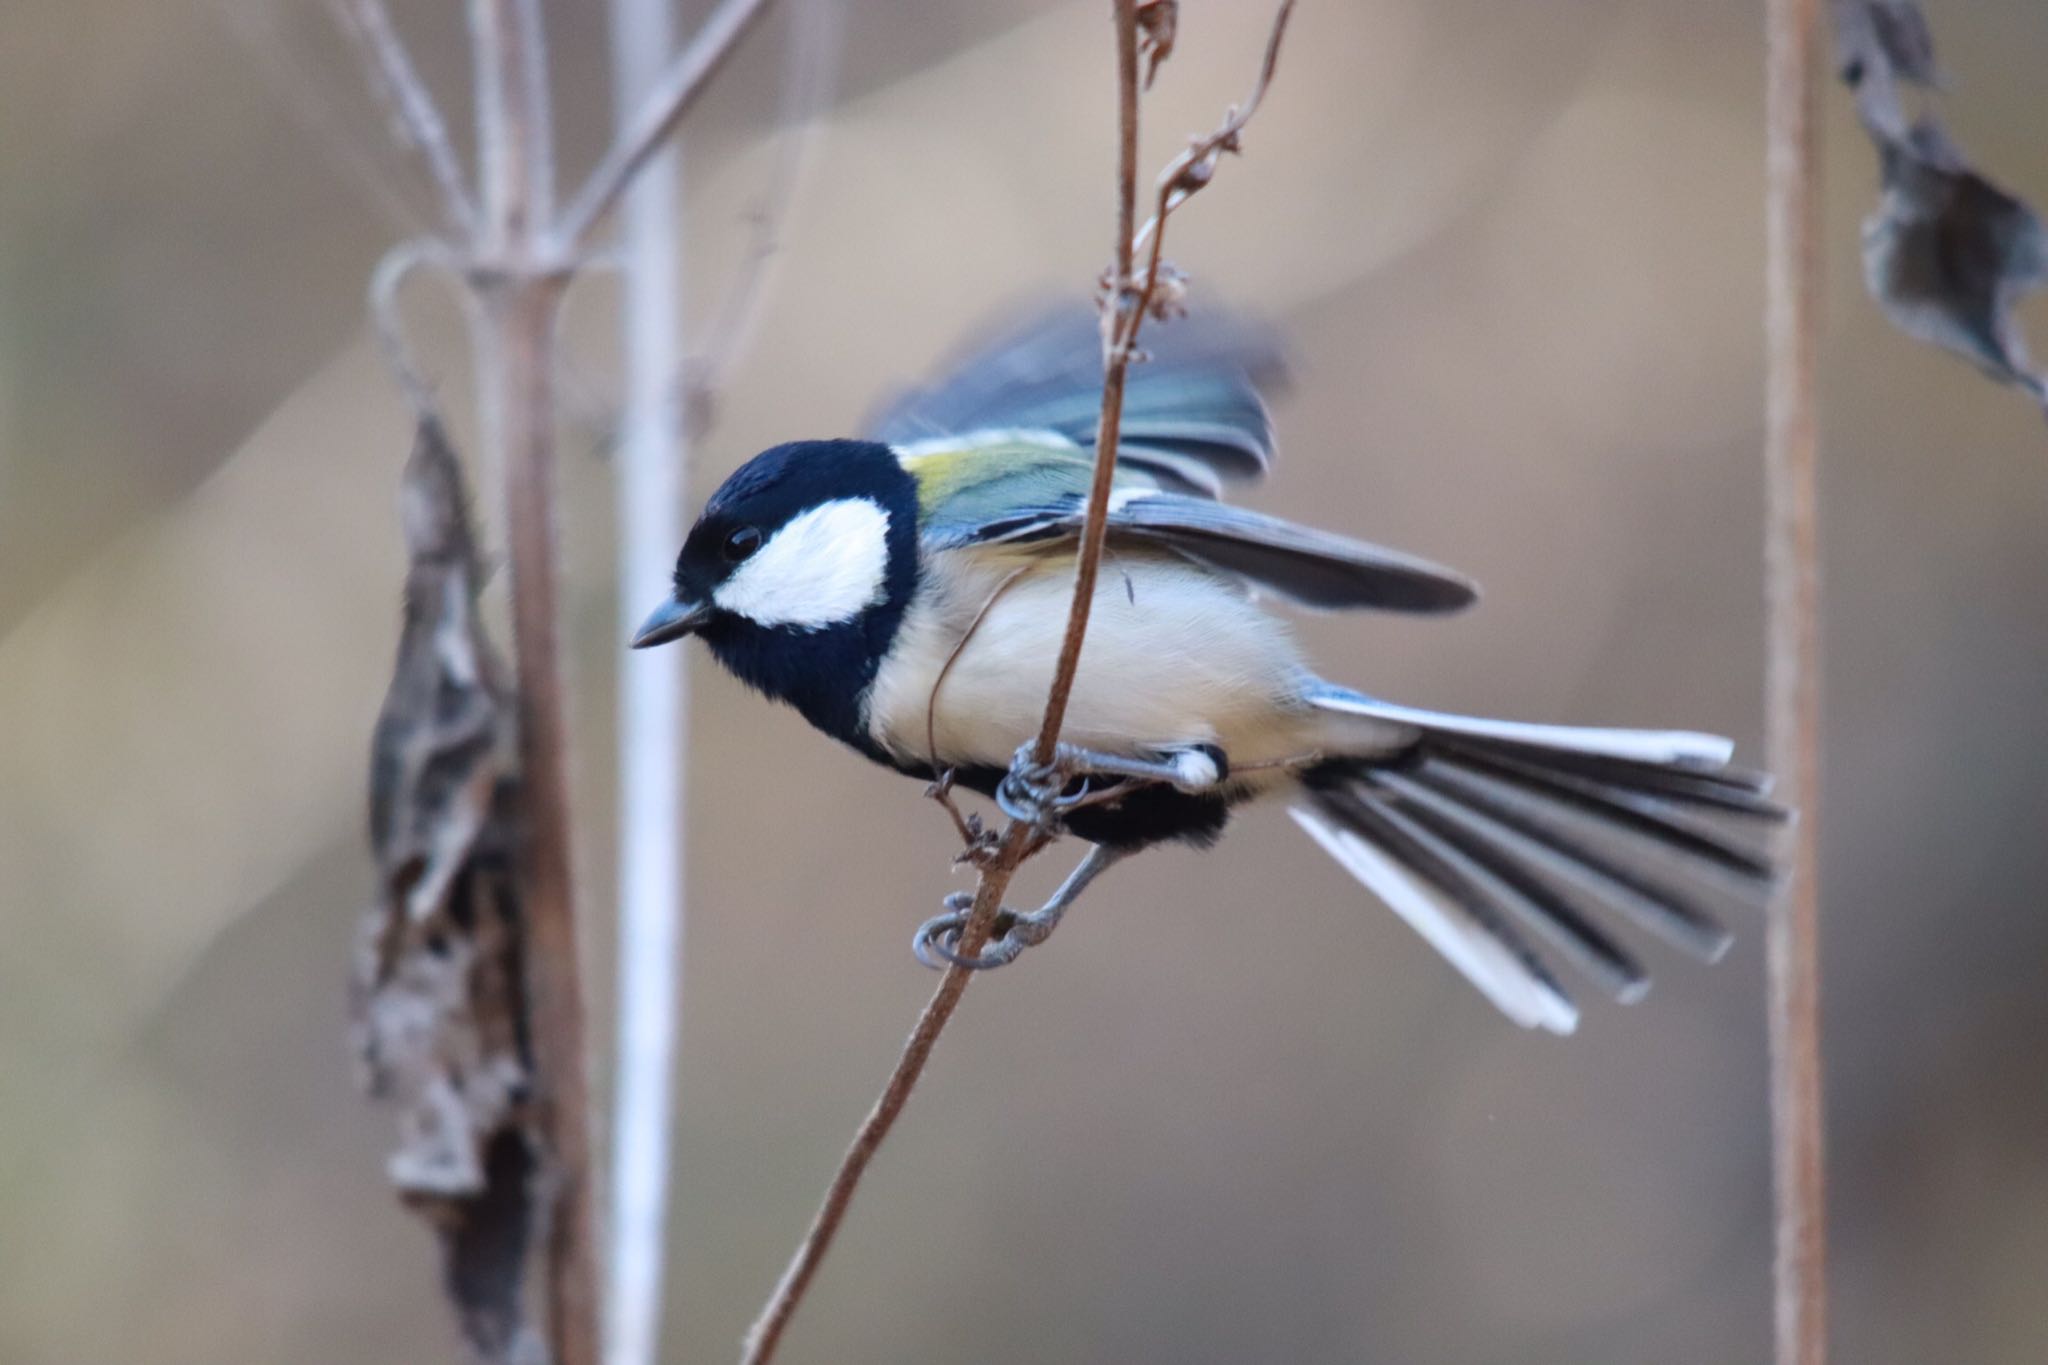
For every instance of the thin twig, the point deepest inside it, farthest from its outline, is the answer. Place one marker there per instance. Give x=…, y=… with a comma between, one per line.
x=540, y=104
x=1792, y=551
x=931, y=702
x=808, y=83
x=415, y=119
x=1124, y=308
x=672, y=97
x=519, y=288
x=1129, y=303
x=1187, y=173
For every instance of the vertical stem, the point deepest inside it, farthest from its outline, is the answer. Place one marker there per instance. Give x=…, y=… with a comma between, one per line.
x=1792, y=553
x=519, y=292
x=1122, y=313
x=653, y=703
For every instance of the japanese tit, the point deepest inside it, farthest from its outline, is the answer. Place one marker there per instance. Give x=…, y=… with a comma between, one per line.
x=907, y=593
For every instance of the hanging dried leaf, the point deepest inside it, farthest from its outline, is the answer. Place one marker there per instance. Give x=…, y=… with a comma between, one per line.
x=438, y=997
x=1947, y=254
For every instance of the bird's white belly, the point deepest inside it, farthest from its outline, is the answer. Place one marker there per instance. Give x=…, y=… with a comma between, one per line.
x=1174, y=656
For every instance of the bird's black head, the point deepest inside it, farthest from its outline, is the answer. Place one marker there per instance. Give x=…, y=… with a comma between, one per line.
x=797, y=575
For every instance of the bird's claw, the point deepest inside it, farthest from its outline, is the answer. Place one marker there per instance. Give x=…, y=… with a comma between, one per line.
x=937, y=941
x=1035, y=792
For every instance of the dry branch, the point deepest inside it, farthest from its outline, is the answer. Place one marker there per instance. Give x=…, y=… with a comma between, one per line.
x=650, y=472
x=1127, y=301
x=673, y=95
x=808, y=82
x=518, y=298
x=517, y=258
x=415, y=119
x=1792, y=555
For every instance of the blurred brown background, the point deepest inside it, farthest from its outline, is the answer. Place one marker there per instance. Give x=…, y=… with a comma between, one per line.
x=1239, y=1112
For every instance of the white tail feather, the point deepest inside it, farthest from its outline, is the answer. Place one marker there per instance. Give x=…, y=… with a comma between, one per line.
x=1684, y=747
x=1447, y=927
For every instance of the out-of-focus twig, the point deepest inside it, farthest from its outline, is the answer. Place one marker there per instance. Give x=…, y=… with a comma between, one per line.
x=1126, y=303
x=808, y=83
x=671, y=98
x=518, y=290
x=516, y=259
x=387, y=318
x=415, y=119
x=650, y=473
x=1794, y=38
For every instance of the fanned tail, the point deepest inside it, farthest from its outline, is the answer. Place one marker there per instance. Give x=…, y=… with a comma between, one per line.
x=1495, y=840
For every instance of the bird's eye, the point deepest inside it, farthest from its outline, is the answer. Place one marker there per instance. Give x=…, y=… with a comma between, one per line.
x=741, y=544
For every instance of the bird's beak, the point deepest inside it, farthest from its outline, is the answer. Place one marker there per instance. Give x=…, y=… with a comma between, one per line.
x=672, y=620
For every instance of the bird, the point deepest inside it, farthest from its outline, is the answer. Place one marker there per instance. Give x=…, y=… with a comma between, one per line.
x=907, y=591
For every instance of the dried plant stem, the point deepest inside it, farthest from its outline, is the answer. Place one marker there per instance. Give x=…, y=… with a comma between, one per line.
x=1792, y=552
x=673, y=94
x=519, y=293
x=810, y=76
x=1126, y=304
x=766, y=1334
x=517, y=259
x=416, y=120
x=515, y=349
x=651, y=474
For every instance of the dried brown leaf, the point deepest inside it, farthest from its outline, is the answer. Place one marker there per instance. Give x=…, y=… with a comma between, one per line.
x=439, y=1008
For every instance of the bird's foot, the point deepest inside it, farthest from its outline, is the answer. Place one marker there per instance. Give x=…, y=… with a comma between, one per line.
x=1042, y=793
x=1038, y=793
x=938, y=938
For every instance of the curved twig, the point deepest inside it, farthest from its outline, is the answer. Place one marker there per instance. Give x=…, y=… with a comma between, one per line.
x=931, y=703
x=387, y=318
x=1194, y=168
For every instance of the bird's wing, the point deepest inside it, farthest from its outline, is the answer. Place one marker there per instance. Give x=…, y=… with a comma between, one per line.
x=1194, y=418
x=1016, y=489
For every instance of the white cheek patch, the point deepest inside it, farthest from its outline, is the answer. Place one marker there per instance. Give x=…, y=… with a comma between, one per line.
x=824, y=567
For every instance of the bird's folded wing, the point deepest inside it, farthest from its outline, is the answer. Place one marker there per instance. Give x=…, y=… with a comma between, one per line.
x=1311, y=568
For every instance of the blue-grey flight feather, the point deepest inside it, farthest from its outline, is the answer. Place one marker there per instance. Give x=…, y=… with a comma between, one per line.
x=1194, y=411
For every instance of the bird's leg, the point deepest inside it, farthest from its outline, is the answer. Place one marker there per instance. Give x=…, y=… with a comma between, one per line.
x=1037, y=792
x=1013, y=932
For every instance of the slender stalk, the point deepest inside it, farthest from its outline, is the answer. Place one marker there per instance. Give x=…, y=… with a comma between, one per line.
x=1128, y=302
x=809, y=79
x=673, y=94
x=766, y=1335
x=415, y=119
x=1123, y=314
x=519, y=293
x=1792, y=554
x=650, y=476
